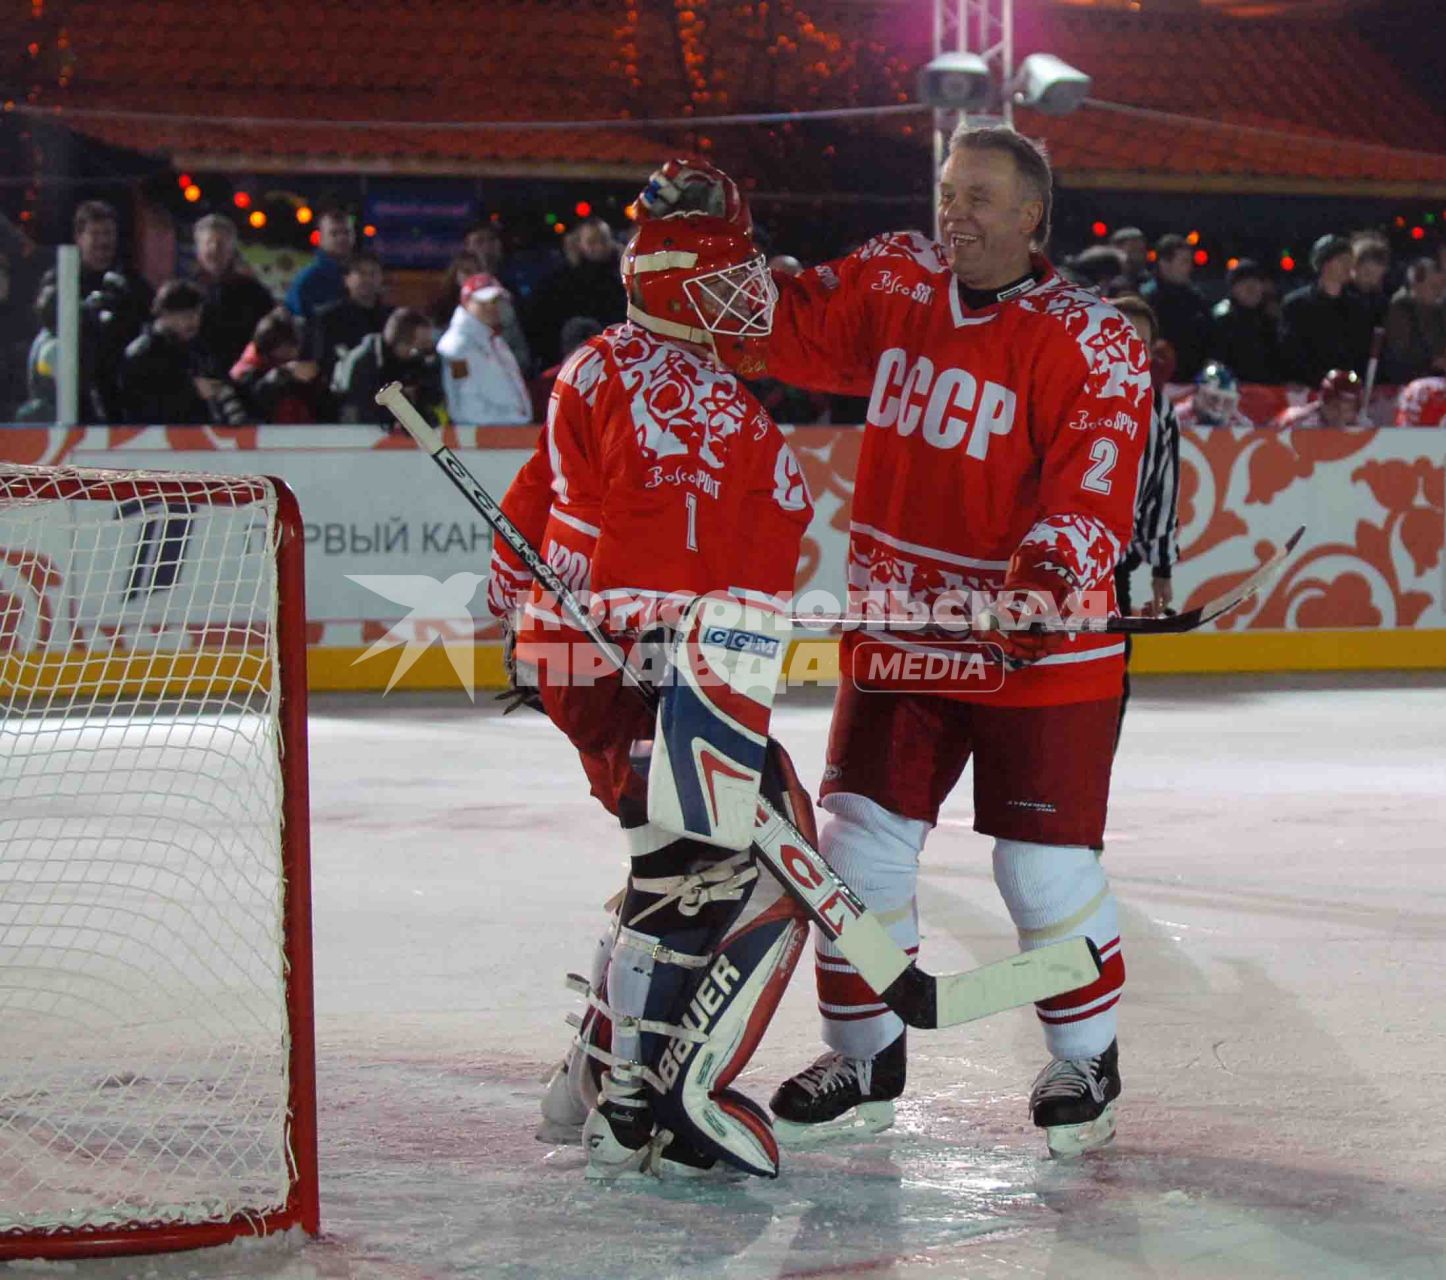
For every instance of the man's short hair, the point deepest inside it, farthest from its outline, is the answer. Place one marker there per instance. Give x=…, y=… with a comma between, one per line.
x=482, y=228
x=215, y=222
x=1372, y=250
x=360, y=258
x=333, y=212
x=403, y=323
x=1246, y=269
x=276, y=329
x=1137, y=308
x=90, y=211
x=1098, y=265
x=1127, y=233
x=1422, y=269
x=1327, y=249
x=177, y=295
x=1031, y=162
x=1167, y=246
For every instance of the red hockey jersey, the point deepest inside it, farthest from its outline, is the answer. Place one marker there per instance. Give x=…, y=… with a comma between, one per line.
x=1003, y=445
x=657, y=476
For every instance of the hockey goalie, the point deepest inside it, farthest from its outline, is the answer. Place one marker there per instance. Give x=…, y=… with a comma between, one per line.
x=665, y=496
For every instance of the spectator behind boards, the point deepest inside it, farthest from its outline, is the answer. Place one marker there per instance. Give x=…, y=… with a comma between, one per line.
x=159, y=380
x=1320, y=323
x=235, y=300
x=588, y=286
x=276, y=384
x=404, y=351
x=483, y=384
x=1184, y=317
x=320, y=281
x=1416, y=325
x=339, y=326
x=1242, y=332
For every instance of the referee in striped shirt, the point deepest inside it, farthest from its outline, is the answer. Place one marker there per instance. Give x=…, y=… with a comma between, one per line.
x=1157, y=522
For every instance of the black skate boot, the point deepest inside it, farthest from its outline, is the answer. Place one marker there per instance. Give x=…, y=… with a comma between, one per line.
x=838, y=1096
x=1073, y=1101
x=618, y=1132
x=621, y=1142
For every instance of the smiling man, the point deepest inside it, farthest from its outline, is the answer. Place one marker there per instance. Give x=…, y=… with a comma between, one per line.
x=1007, y=414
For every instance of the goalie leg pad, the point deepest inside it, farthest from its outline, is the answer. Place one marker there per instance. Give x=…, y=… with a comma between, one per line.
x=710, y=747
x=730, y=1005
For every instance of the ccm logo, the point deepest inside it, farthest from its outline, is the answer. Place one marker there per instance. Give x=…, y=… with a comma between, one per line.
x=947, y=408
x=801, y=869
x=836, y=910
x=740, y=641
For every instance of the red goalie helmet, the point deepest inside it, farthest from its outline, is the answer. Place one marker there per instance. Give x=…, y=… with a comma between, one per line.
x=1340, y=382
x=692, y=276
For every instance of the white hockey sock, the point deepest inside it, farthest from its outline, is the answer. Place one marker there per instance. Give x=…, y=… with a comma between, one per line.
x=1055, y=892
x=877, y=852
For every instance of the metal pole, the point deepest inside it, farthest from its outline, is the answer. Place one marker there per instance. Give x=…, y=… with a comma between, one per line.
x=1006, y=69
x=67, y=356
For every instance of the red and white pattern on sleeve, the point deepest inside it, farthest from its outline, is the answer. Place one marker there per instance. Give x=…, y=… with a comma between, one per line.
x=535, y=489
x=1065, y=553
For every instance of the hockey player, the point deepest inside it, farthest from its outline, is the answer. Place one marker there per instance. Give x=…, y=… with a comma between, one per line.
x=1337, y=404
x=1422, y=403
x=1216, y=401
x=1007, y=414
x=659, y=478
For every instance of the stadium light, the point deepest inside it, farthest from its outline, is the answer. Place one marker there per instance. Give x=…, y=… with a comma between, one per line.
x=1049, y=84
x=955, y=82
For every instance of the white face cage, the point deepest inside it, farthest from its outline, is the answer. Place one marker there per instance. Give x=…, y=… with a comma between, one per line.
x=737, y=301
x=1215, y=403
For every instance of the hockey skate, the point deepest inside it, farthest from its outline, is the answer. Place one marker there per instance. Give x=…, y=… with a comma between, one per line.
x=1073, y=1101
x=839, y=1096
x=622, y=1145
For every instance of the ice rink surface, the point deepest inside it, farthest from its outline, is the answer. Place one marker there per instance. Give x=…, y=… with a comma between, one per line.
x=1279, y=850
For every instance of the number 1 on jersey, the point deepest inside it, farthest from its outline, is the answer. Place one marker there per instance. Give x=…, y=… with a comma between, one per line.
x=692, y=500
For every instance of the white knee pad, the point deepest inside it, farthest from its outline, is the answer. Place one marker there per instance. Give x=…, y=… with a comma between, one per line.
x=877, y=853
x=1055, y=892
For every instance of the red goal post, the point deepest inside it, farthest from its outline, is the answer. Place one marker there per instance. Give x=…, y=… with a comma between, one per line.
x=157, y=1057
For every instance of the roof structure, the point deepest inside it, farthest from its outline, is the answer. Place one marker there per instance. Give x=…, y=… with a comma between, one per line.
x=1202, y=100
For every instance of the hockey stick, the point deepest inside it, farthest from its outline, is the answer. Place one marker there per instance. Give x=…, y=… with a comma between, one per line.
x=921, y=999
x=1373, y=367
x=1132, y=624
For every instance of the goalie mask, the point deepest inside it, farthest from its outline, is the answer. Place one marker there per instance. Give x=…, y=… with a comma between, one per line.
x=692, y=276
x=1217, y=395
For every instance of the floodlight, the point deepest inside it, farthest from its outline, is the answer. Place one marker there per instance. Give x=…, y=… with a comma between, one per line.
x=955, y=82
x=1049, y=84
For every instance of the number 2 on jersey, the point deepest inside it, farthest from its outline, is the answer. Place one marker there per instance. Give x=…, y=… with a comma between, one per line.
x=692, y=500
x=1105, y=453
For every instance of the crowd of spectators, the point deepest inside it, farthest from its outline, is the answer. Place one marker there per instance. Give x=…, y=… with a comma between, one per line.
x=1357, y=305
x=216, y=346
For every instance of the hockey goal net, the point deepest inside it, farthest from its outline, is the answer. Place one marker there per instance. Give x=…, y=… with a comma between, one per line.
x=156, y=1060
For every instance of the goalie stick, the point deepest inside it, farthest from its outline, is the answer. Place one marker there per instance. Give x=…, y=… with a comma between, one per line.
x=1129, y=624
x=921, y=999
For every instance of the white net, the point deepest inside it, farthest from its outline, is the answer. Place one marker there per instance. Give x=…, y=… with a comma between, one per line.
x=143, y=1018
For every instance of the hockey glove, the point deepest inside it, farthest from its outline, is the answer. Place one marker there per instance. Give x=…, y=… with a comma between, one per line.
x=521, y=688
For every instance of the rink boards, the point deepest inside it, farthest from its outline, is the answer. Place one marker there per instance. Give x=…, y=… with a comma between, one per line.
x=1366, y=590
